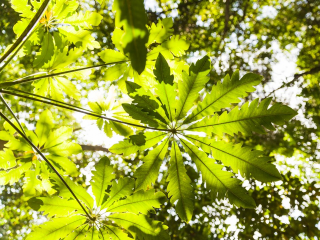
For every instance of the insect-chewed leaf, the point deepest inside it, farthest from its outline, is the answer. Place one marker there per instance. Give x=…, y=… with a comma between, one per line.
x=14, y=175
x=64, y=163
x=141, y=226
x=47, y=50
x=132, y=16
x=174, y=47
x=127, y=147
x=147, y=173
x=119, y=190
x=191, y=85
x=161, y=31
x=248, y=119
x=138, y=114
x=224, y=93
x=101, y=179
x=249, y=162
x=139, y=202
x=179, y=186
x=57, y=228
x=221, y=182
x=79, y=191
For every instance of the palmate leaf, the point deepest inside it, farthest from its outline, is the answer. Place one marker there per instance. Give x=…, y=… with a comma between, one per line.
x=55, y=144
x=180, y=100
x=248, y=119
x=119, y=214
x=132, y=16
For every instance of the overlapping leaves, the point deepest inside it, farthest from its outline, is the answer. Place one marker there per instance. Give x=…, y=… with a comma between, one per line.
x=174, y=109
x=60, y=20
x=117, y=211
x=19, y=159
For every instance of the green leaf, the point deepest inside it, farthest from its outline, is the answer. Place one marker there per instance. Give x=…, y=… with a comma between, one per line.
x=139, y=202
x=115, y=233
x=191, y=85
x=224, y=94
x=58, y=136
x=7, y=159
x=131, y=15
x=119, y=190
x=219, y=181
x=57, y=228
x=44, y=126
x=110, y=56
x=249, y=162
x=167, y=95
x=86, y=20
x=162, y=71
x=248, y=119
x=47, y=50
x=120, y=128
x=127, y=147
x=14, y=175
x=65, y=149
x=179, y=187
x=79, y=191
x=160, y=31
x=141, y=226
x=138, y=114
x=63, y=163
x=147, y=173
x=58, y=207
x=101, y=179
x=175, y=47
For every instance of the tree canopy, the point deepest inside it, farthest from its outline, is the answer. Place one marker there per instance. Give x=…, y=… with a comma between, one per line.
x=159, y=119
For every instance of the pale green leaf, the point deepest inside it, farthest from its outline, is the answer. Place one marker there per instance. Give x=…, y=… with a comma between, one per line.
x=248, y=119
x=7, y=159
x=44, y=126
x=249, y=162
x=147, y=173
x=58, y=207
x=221, y=182
x=179, y=187
x=119, y=190
x=141, y=226
x=111, y=56
x=191, y=85
x=139, y=202
x=101, y=179
x=224, y=94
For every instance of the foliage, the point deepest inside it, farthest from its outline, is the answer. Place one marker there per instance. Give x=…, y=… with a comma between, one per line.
x=110, y=213
x=177, y=114
x=19, y=159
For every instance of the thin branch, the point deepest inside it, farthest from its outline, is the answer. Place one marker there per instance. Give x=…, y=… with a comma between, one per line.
x=94, y=148
x=295, y=78
x=23, y=80
x=82, y=111
x=12, y=113
x=26, y=33
x=46, y=160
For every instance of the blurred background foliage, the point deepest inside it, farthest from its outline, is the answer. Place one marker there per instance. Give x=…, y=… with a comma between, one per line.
x=253, y=36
